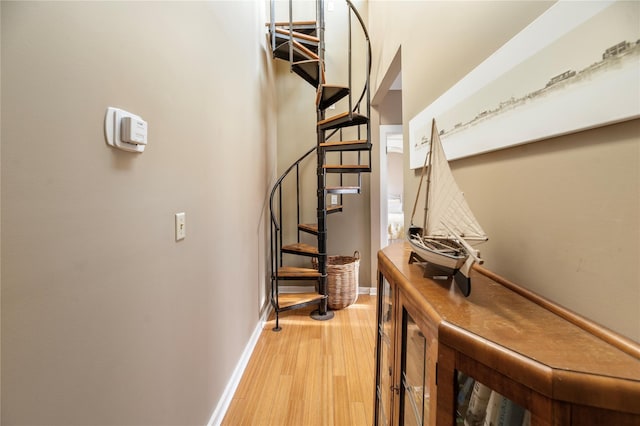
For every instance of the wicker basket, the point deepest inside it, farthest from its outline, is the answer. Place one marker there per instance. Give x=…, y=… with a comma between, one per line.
x=342, y=280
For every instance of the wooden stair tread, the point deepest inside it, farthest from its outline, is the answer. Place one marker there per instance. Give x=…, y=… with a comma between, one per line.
x=294, y=23
x=342, y=120
x=352, y=145
x=334, y=208
x=296, y=272
x=311, y=228
x=344, y=167
x=343, y=189
x=301, y=249
x=299, y=35
x=300, y=52
x=288, y=300
x=333, y=118
x=330, y=88
x=313, y=62
x=308, y=52
x=330, y=94
x=308, y=70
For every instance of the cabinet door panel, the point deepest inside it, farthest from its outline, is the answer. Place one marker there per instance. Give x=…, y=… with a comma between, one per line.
x=413, y=371
x=483, y=396
x=419, y=351
x=385, y=353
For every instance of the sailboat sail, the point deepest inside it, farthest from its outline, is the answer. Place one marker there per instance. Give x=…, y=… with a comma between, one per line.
x=447, y=208
x=449, y=224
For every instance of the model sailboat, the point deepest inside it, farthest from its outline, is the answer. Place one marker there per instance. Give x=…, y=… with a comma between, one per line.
x=449, y=227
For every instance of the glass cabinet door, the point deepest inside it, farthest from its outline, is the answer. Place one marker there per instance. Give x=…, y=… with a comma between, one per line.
x=418, y=374
x=478, y=405
x=384, y=371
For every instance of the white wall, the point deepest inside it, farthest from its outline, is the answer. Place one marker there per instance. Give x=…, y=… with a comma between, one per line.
x=563, y=215
x=106, y=319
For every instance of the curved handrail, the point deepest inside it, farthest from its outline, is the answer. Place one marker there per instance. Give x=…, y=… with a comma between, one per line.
x=365, y=89
x=366, y=35
x=274, y=220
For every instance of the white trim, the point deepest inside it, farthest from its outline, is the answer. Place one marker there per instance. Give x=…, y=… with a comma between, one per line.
x=234, y=381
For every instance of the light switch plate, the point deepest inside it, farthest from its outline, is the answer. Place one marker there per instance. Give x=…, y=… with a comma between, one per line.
x=181, y=226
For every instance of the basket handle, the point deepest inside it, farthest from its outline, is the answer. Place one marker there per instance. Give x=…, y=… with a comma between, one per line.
x=356, y=254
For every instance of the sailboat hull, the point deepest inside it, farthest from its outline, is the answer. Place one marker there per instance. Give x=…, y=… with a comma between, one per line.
x=443, y=253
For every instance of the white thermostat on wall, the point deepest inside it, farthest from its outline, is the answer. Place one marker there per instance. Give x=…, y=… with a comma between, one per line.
x=125, y=130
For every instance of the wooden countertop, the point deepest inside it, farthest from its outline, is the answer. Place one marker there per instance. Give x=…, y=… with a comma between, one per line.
x=521, y=338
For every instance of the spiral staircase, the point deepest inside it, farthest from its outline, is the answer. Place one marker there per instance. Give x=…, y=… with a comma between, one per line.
x=342, y=152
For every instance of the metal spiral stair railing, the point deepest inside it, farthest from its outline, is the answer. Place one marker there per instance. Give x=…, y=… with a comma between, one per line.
x=301, y=43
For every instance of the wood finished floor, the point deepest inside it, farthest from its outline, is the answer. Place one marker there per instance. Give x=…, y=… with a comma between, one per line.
x=311, y=372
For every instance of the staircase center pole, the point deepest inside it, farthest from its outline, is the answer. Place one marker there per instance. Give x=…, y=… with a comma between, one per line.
x=321, y=173
x=322, y=224
x=322, y=313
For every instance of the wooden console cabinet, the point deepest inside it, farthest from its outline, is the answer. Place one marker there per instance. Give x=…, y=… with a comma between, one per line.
x=540, y=363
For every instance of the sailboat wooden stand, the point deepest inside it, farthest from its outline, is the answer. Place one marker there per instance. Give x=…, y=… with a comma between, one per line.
x=449, y=226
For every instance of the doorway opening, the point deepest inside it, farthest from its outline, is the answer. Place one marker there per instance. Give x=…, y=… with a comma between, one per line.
x=387, y=185
x=391, y=185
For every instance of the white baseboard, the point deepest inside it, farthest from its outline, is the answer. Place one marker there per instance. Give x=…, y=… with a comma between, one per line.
x=232, y=385
x=372, y=291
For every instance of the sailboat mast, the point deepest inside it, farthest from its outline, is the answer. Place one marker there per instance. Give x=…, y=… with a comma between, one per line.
x=426, y=198
x=415, y=203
